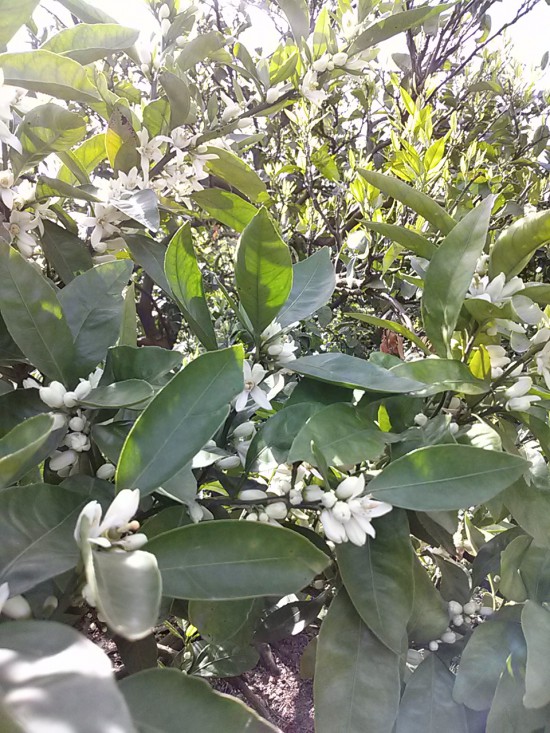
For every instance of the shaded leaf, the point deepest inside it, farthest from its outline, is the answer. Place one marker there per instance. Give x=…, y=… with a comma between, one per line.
x=313, y=282
x=65, y=252
x=23, y=447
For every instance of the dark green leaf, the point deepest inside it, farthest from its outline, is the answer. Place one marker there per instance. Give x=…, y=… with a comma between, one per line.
x=185, y=280
x=487, y=560
x=121, y=394
x=161, y=699
x=378, y=578
x=530, y=507
x=441, y=375
x=508, y=714
x=228, y=559
x=150, y=363
x=182, y=417
x=429, y=617
x=34, y=317
x=535, y=621
x=121, y=140
x=226, y=621
x=313, y=283
x=442, y=477
x=23, y=447
x=65, y=252
x=150, y=255
x=357, y=684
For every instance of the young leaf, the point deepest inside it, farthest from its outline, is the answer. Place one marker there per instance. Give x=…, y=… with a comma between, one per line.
x=392, y=326
x=313, y=283
x=441, y=477
x=450, y=274
x=378, y=578
x=357, y=682
x=48, y=73
x=185, y=280
x=72, y=687
x=181, y=418
x=34, y=317
x=423, y=205
x=263, y=271
x=20, y=449
x=427, y=705
x=228, y=208
x=160, y=699
x=227, y=559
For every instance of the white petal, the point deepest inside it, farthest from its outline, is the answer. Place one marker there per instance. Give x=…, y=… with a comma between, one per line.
x=260, y=398
x=350, y=487
x=333, y=530
x=4, y=594
x=258, y=373
x=242, y=399
x=122, y=509
x=92, y=513
x=355, y=532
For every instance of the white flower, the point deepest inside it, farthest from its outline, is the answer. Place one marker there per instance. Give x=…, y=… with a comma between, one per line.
x=77, y=442
x=252, y=378
x=276, y=92
x=228, y=462
x=340, y=58
x=149, y=150
x=6, y=183
x=543, y=363
x=496, y=291
x=310, y=89
x=164, y=11
x=498, y=359
x=521, y=404
x=520, y=388
x=527, y=310
x=19, y=225
x=77, y=423
x=312, y=493
x=106, y=471
x=105, y=223
x=349, y=516
x=277, y=510
x=322, y=64
x=117, y=521
x=53, y=395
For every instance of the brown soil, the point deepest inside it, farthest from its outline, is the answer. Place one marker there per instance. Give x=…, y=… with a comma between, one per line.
x=286, y=697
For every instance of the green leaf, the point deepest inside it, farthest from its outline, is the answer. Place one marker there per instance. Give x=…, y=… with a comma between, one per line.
x=47, y=129
x=442, y=477
x=441, y=375
x=53, y=677
x=342, y=434
x=121, y=394
x=93, y=305
x=181, y=418
x=508, y=714
x=263, y=271
x=86, y=12
x=121, y=140
x=429, y=617
x=450, y=274
x=237, y=174
x=83, y=159
x=48, y=73
x=271, y=444
x=416, y=200
x=357, y=681
x=427, y=705
x=392, y=326
x=349, y=371
x=110, y=438
x=127, y=588
x=65, y=252
x=289, y=620
x=179, y=98
x=37, y=524
x=150, y=255
x=185, y=280
x=535, y=621
x=455, y=580
x=20, y=449
x=34, y=316
x=156, y=117
x=13, y=17
x=297, y=13
x=141, y=206
x=516, y=245
x=49, y=187
x=407, y=238
x=393, y=25
x=378, y=578
x=199, y=49
x=484, y=659
x=226, y=621
x=227, y=559
x=160, y=699
x=150, y=363
x=87, y=43
x=530, y=507
x=512, y=584
x=313, y=283
x=487, y=560
x=228, y=208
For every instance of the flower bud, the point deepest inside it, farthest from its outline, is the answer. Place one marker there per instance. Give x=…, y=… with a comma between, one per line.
x=313, y=493
x=263, y=517
x=449, y=637
x=17, y=608
x=328, y=499
x=277, y=510
x=228, y=462
x=252, y=517
x=272, y=95
x=81, y=391
x=295, y=497
x=165, y=26
x=244, y=122
x=144, y=68
x=245, y=430
x=77, y=424
x=27, y=250
x=180, y=41
x=340, y=58
x=164, y=11
x=78, y=442
x=62, y=459
x=341, y=511
x=454, y=608
x=321, y=64
x=453, y=428
x=133, y=541
x=50, y=604
x=350, y=486
x=433, y=646
x=421, y=420
x=252, y=495
x=485, y=611
x=470, y=608
x=457, y=620
x=106, y=471
x=53, y=395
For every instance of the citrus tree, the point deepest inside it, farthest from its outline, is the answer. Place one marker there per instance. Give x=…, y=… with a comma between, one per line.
x=274, y=354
